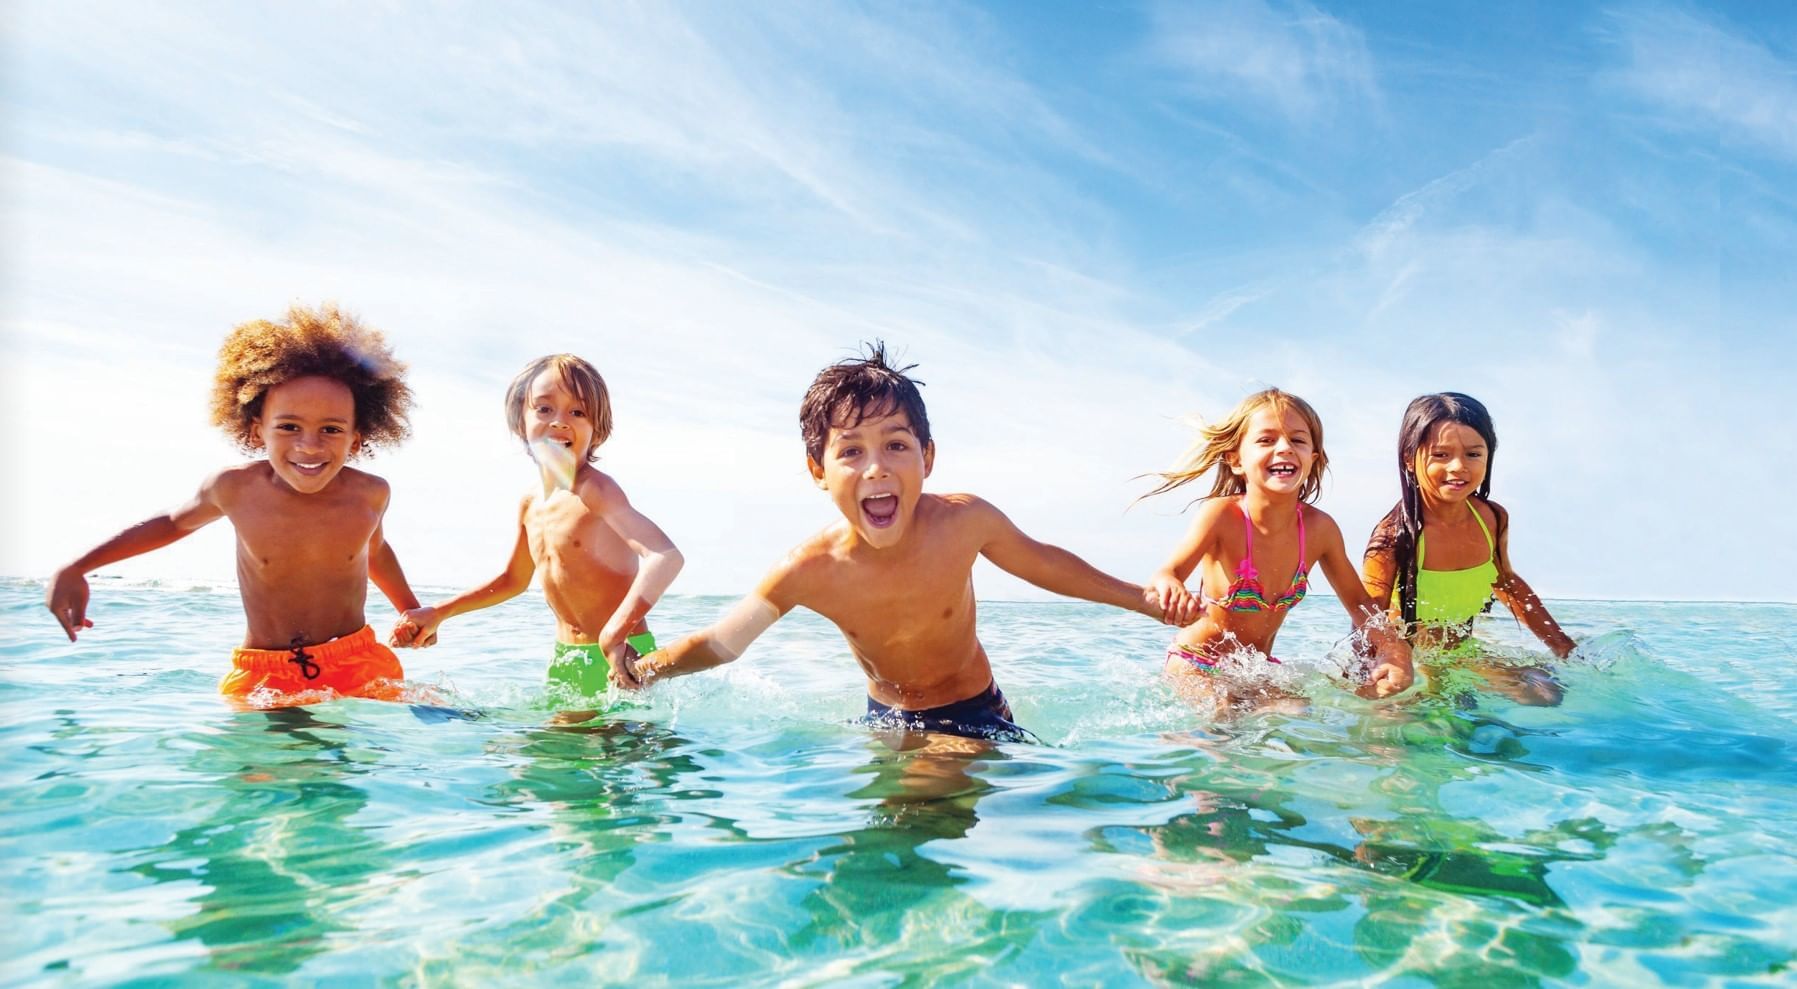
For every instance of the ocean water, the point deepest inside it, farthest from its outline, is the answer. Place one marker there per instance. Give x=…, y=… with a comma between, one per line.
x=734, y=828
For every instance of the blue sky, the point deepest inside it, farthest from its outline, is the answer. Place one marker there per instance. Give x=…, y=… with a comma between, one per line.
x=1084, y=222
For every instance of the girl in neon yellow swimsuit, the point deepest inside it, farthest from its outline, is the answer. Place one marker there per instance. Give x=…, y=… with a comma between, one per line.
x=1253, y=543
x=1441, y=555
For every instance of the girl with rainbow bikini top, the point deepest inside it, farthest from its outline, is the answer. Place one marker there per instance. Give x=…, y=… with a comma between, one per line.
x=1268, y=459
x=1442, y=554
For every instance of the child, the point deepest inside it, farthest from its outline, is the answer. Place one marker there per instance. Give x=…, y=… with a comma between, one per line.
x=895, y=572
x=580, y=531
x=1446, y=518
x=312, y=392
x=1255, y=539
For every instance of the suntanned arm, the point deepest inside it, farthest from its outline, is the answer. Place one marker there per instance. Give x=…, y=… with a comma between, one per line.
x=1055, y=569
x=659, y=563
x=1379, y=573
x=727, y=638
x=67, y=596
x=1169, y=582
x=1522, y=600
x=384, y=570
x=1393, y=673
x=418, y=626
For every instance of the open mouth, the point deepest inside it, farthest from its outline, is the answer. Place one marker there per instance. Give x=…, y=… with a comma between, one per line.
x=307, y=468
x=880, y=510
x=1283, y=470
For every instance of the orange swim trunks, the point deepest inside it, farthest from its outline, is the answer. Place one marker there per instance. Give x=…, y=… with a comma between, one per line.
x=354, y=665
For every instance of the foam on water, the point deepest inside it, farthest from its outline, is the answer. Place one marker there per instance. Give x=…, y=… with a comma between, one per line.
x=737, y=827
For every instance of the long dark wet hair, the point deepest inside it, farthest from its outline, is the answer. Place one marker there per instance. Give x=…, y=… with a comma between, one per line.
x=1402, y=527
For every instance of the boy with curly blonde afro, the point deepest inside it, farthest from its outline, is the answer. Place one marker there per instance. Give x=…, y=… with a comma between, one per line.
x=312, y=392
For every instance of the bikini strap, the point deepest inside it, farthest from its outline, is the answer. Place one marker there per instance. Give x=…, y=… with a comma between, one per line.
x=1246, y=568
x=1489, y=544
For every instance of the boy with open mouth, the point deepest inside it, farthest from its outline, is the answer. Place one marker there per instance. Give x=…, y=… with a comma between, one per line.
x=895, y=572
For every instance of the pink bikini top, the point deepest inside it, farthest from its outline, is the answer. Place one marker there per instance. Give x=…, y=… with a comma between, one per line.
x=1246, y=594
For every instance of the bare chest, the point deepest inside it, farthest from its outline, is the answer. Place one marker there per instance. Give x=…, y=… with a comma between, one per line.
x=563, y=531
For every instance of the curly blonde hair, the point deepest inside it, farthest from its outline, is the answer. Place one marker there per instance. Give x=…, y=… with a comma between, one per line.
x=324, y=342
x=1216, y=446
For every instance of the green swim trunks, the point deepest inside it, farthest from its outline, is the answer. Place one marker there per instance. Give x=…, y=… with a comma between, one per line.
x=581, y=669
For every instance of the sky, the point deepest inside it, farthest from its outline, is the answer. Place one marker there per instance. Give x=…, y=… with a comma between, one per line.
x=1089, y=225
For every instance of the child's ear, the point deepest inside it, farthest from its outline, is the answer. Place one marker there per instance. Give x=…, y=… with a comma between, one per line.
x=1234, y=463
x=256, y=433
x=929, y=458
x=817, y=471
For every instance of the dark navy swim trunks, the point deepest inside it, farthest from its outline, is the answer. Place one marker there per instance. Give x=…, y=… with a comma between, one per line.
x=984, y=715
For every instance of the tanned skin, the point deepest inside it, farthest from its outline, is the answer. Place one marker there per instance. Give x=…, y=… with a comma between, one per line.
x=895, y=574
x=604, y=564
x=308, y=527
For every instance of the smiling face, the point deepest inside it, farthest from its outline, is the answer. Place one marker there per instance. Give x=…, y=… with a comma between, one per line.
x=1277, y=452
x=1452, y=463
x=556, y=417
x=308, y=427
x=874, y=471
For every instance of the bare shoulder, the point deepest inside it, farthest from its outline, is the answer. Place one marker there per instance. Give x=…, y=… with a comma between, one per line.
x=369, y=486
x=797, y=577
x=1320, y=522
x=960, y=505
x=597, y=488
x=1212, y=511
x=1495, y=516
x=230, y=484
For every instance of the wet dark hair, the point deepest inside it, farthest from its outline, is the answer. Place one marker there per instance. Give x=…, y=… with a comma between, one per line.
x=855, y=389
x=1402, y=527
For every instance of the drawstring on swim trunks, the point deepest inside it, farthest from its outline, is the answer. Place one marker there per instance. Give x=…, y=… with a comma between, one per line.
x=304, y=659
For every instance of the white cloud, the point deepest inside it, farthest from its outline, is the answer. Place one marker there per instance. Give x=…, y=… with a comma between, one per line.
x=1705, y=75
x=1297, y=59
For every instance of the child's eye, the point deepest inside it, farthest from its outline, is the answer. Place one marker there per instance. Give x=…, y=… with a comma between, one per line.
x=333, y=430
x=288, y=427
x=850, y=451
x=578, y=412
x=897, y=446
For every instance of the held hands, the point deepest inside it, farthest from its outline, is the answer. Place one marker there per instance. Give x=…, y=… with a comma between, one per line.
x=1169, y=601
x=1392, y=673
x=67, y=600
x=640, y=669
x=416, y=629
x=621, y=656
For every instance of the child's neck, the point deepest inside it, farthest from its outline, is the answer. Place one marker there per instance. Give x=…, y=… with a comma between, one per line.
x=560, y=478
x=1267, y=510
x=1441, y=512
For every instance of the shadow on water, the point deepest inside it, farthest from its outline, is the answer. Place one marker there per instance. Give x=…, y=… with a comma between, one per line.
x=276, y=852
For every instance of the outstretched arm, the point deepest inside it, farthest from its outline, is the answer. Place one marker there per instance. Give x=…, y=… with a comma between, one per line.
x=1055, y=569
x=1392, y=672
x=721, y=643
x=384, y=570
x=1169, y=582
x=418, y=626
x=67, y=595
x=658, y=564
x=1522, y=600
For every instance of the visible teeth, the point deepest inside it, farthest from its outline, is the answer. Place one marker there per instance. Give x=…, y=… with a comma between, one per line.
x=310, y=466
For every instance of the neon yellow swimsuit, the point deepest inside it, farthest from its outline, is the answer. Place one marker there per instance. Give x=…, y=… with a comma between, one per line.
x=1453, y=597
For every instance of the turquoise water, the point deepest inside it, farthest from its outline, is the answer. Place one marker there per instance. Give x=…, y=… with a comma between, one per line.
x=736, y=830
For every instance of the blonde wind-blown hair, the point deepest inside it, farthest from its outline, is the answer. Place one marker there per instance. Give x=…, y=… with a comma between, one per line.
x=1217, y=445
